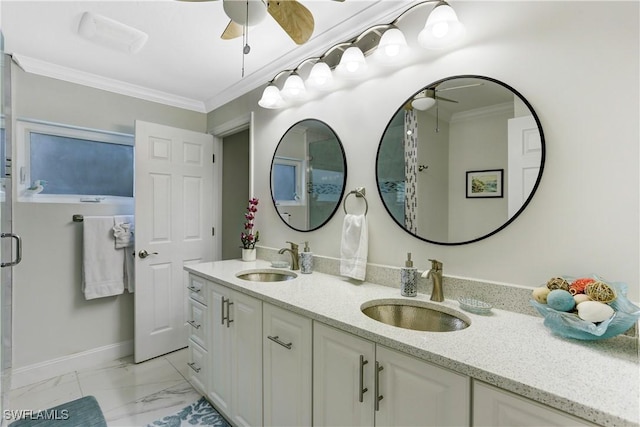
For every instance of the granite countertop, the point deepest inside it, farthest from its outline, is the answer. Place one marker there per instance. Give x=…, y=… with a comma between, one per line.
x=595, y=380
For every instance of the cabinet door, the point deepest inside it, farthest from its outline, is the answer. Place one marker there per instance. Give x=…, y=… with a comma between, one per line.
x=246, y=363
x=287, y=367
x=495, y=407
x=337, y=370
x=219, y=349
x=417, y=393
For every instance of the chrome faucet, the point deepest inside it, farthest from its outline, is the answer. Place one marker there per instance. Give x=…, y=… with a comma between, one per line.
x=436, y=275
x=295, y=264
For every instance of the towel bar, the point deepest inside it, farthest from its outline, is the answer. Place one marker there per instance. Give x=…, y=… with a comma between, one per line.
x=359, y=192
x=77, y=218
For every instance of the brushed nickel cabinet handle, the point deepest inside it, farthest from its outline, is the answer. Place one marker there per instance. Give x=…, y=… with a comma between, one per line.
x=194, y=366
x=377, y=386
x=194, y=324
x=362, y=389
x=277, y=340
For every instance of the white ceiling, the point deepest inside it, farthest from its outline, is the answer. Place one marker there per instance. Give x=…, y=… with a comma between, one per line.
x=184, y=62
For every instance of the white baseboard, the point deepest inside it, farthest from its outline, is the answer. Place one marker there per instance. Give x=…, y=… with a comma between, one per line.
x=37, y=372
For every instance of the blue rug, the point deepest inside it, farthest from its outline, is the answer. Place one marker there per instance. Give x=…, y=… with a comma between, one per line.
x=199, y=413
x=83, y=412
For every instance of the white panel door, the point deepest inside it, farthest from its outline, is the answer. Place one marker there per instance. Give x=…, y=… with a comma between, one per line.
x=173, y=218
x=525, y=153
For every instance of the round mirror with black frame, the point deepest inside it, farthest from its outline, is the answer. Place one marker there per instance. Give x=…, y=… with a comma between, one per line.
x=460, y=160
x=308, y=175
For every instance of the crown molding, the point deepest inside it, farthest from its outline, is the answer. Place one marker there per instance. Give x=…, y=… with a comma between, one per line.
x=48, y=69
x=482, y=112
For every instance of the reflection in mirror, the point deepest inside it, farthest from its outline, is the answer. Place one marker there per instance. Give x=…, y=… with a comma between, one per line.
x=308, y=174
x=460, y=160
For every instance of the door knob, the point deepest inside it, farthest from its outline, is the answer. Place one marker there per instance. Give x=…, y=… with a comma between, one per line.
x=143, y=254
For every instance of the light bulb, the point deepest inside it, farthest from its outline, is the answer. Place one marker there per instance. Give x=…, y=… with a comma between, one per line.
x=352, y=63
x=293, y=88
x=392, y=46
x=320, y=76
x=271, y=98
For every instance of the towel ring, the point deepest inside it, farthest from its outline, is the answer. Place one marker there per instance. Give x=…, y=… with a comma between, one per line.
x=359, y=192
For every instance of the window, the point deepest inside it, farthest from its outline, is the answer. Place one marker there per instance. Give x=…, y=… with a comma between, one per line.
x=288, y=181
x=65, y=164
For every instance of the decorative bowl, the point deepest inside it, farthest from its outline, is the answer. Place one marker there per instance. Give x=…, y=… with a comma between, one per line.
x=569, y=325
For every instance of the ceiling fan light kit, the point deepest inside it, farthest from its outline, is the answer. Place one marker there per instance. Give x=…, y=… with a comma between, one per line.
x=245, y=12
x=386, y=43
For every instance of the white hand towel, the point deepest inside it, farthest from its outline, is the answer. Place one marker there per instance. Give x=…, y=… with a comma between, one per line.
x=123, y=228
x=354, y=246
x=102, y=263
x=123, y=232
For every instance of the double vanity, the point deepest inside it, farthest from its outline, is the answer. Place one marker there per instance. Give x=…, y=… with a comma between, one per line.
x=275, y=347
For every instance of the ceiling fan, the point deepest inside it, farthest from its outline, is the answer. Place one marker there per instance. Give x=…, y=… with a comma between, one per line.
x=427, y=98
x=294, y=18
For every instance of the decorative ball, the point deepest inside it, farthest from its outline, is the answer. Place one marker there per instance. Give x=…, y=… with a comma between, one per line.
x=600, y=291
x=578, y=285
x=558, y=283
x=594, y=311
x=560, y=300
x=540, y=294
x=580, y=298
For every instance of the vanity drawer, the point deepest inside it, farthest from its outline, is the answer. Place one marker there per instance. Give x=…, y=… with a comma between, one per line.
x=196, y=317
x=197, y=367
x=196, y=289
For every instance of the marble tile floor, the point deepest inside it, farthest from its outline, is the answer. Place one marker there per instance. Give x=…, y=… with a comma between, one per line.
x=129, y=394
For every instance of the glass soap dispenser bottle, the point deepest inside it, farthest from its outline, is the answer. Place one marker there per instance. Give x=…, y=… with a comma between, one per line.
x=408, y=278
x=306, y=260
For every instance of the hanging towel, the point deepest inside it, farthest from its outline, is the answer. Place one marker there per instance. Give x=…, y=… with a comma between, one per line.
x=123, y=227
x=123, y=232
x=102, y=263
x=354, y=246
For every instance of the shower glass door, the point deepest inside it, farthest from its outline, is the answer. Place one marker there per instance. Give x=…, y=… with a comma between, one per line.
x=9, y=243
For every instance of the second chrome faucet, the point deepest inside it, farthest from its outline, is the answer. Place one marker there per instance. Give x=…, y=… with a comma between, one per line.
x=436, y=277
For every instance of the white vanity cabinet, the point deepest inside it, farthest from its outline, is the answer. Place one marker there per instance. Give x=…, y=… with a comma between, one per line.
x=235, y=358
x=287, y=367
x=493, y=406
x=359, y=383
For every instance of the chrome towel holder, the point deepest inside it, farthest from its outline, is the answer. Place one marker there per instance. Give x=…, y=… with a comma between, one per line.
x=359, y=192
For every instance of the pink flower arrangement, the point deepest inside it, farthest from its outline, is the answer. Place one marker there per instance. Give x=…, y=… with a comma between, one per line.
x=248, y=237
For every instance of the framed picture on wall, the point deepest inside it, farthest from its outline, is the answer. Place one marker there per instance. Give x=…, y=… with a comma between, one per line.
x=485, y=183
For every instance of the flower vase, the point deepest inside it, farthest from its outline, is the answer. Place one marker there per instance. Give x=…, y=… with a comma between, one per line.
x=249, y=254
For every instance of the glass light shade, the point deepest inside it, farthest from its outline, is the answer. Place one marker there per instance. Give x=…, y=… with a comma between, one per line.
x=320, y=77
x=423, y=103
x=249, y=12
x=352, y=63
x=392, y=46
x=442, y=28
x=293, y=88
x=271, y=98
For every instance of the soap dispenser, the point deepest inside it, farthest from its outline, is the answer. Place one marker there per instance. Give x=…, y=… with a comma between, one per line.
x=408, y=278
x=306, y=260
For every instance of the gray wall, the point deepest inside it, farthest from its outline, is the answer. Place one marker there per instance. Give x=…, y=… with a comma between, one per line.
x=51, y=318
x=583, y=219
x=235, y=191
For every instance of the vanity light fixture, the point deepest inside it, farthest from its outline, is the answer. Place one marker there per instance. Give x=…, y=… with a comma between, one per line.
x=386, y=42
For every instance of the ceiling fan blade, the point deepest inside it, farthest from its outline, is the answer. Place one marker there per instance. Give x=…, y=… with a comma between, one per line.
x=295, y=19
x=439, y=98
x=459, y=87
x=232, y=31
